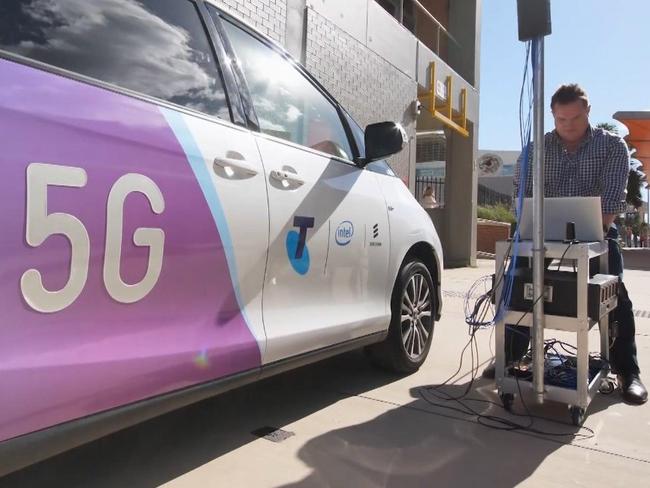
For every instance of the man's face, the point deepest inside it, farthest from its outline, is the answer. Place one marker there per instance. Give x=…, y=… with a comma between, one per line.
x=571, y=120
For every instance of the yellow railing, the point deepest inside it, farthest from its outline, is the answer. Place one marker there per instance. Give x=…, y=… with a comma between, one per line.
x=444, y=110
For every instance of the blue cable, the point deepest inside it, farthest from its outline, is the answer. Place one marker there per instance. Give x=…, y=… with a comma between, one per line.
x=523, y=173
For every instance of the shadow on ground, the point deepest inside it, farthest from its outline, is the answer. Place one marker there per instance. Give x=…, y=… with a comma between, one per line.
x=164, y=448
x=429, y=442
x=418, y=444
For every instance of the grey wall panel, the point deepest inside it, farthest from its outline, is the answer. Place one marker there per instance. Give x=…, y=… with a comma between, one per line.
x=349, y=15
x=368, y=86
x=391, y=40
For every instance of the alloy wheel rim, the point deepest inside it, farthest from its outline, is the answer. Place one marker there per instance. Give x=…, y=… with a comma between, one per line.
x=415, y=320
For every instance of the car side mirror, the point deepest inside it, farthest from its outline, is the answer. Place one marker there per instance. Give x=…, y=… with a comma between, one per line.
x=382, y=140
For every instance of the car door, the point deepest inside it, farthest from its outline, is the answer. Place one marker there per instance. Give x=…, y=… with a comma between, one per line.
x=134, y=217
x=328, y=248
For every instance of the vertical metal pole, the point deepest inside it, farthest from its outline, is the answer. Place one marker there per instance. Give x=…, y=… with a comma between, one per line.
x=538, y=218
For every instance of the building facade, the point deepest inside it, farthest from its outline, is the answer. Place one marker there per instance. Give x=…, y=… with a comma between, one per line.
x=413, y=62
x=496, y=170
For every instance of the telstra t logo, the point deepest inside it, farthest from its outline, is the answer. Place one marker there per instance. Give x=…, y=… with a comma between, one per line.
x=296, y=244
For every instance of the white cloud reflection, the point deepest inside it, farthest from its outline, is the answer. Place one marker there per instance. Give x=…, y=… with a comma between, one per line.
x=124, y=43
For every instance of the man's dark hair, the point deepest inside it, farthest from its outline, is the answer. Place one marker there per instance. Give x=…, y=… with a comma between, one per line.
x=569, y=94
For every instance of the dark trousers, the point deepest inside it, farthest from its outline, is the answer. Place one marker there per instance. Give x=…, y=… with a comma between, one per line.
x=623, y=351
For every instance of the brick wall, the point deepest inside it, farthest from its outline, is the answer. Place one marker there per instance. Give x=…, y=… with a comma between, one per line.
x=488, y=233
x=368, y=86
x=268, y=16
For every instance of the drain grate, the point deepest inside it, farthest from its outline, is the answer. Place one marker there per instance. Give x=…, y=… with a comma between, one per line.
x=272, y=434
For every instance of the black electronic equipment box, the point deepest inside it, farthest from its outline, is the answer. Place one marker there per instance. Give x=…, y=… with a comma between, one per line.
x=560, y=293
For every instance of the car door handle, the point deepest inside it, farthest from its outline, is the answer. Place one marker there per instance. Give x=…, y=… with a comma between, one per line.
x=285, y=178
x=235, y=165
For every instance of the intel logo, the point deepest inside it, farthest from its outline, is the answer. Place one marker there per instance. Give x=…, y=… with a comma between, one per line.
x=344, y=233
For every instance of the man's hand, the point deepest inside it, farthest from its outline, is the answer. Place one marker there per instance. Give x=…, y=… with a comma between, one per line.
x=608, y=220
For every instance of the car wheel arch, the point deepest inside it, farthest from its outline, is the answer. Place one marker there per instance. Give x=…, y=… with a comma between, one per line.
x=426, y=253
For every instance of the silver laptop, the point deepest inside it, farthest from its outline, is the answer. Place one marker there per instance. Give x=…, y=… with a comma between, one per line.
x=584, y=211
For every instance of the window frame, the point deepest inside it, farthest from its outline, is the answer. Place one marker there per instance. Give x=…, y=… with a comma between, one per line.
x=274, y=46
x=229, y=86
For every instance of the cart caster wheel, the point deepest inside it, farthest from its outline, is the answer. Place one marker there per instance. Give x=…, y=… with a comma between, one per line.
x=577, y=415
x=507, y=399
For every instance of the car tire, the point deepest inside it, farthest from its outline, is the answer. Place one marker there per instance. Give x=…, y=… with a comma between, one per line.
x=411, y=327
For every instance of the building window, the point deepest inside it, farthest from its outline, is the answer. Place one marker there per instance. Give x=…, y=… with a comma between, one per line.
x=431, y=165
x=431, y=148
x=393, y=7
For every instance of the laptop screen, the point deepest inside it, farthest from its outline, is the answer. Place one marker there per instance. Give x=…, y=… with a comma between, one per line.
x=585, y=212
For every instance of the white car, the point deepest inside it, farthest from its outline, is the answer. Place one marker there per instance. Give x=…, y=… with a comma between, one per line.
x=184, y=210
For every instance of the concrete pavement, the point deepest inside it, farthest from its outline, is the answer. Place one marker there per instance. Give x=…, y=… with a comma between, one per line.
x=350, y=425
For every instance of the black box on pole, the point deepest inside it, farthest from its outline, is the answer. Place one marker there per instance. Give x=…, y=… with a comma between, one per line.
x=534, y=18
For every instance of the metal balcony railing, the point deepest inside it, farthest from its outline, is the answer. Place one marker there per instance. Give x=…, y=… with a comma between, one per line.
x=488, y=197
x=413, y=15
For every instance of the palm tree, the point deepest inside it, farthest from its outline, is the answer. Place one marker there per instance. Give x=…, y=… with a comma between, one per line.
x=608, y=127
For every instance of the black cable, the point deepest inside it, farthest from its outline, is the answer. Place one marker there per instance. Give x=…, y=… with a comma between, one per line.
x=564, y=374
x=476, y=318
x=524, y=127
x=564, y=254
x=515, y=425
x=490, y=421
x=460, y=366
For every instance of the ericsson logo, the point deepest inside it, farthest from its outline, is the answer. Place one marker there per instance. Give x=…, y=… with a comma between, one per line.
x=296, y=244
x=344, y=233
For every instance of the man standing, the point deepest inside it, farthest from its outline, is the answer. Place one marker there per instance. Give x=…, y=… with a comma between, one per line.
x=583, y=161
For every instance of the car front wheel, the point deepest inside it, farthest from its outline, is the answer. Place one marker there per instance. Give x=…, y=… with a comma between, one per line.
x=412, y=320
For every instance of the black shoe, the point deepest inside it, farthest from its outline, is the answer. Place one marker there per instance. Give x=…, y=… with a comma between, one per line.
x=632, y=389
x=489, y=372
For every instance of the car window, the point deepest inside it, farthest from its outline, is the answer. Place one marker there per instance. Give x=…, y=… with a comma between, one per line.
x=287, y=104
x=358, y=133
x=156, y=47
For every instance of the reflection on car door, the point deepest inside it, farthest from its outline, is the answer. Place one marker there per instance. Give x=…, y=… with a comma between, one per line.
x=328, y=253
x=328, y=250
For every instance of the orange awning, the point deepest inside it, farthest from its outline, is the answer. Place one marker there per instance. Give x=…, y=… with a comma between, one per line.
x=638, y=123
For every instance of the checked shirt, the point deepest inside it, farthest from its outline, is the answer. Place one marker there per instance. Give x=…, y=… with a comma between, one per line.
x=599, y=167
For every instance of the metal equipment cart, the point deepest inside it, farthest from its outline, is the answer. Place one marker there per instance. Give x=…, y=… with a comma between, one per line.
x=577, y=399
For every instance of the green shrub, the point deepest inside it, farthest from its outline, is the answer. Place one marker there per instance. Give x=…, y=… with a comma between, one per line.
x=499, y=213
